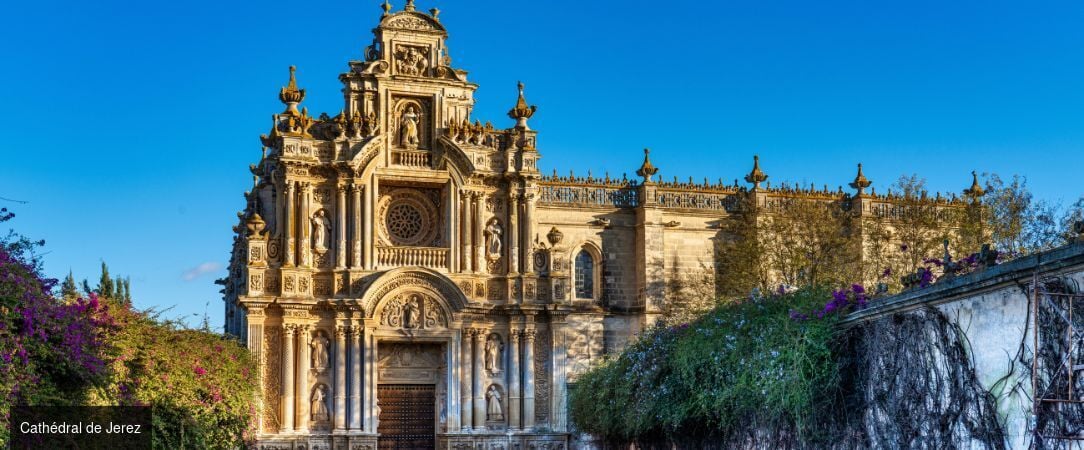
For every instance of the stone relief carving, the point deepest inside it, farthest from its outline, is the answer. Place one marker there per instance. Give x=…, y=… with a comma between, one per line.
x=321, y=232
x=413, y=311
x=493, y=353
x=411, y=60
x=319, y=403
x=319, y=346
x=493, y=239
x=542, y=383
x=494, y=410
x=409, y=217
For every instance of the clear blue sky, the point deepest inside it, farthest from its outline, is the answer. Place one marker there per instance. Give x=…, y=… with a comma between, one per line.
x=129, y=126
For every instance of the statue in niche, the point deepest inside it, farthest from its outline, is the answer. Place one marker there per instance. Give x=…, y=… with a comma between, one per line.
x=319, y=405
x=321, y=232
x=493, y=354
x=493, y=239
x=412, y=312
x=493, y=408
x=319, y=352
x=409, y=129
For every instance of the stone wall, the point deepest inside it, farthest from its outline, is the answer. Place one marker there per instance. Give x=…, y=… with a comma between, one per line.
x=993, y=314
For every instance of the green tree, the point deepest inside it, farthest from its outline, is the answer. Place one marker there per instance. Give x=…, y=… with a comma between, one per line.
x=105, y=284
x=1019, y=224
x=68, y=289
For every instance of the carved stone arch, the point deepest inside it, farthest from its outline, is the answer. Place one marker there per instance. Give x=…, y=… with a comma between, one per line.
x=394, y=282
x=365, y=159
x=455, y=159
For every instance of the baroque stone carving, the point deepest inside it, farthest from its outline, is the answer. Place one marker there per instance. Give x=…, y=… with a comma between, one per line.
x=408, y=129
x=493, y=354
x=409, y=218
x=413, y=311
x=319, y=404
x=493, y=239
x=411, y=60
x=321, y=232
x=319, y=346
x=494, y=410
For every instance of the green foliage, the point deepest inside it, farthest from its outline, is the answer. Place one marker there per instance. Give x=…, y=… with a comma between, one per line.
x=740, y=365
x=200, y=384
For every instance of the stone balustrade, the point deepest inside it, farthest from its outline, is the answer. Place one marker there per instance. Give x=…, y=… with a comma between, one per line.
x=431, y=257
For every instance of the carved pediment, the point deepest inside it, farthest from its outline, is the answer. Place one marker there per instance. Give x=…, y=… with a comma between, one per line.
x=413, y=22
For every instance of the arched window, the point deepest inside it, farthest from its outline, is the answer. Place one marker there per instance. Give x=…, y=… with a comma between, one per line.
x=585, y=275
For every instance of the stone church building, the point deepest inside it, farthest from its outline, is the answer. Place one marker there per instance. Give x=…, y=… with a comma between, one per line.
x=407, y=278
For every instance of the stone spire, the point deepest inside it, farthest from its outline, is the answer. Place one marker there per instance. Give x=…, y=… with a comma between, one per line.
x=409, y=5
x=860, y=182
x=975, y=191
x=291, y=95
x=521, y=112
x=647, y=170
x=756, y=176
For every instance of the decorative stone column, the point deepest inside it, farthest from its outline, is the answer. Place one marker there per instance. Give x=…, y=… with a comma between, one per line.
x=478, y=391
x=356, y=191
x=513, y=236
x=370, y=380
x=291, y=211
x=355, y=378
x=479, y=223
x=465, y=231
x=302, y=388
x=340, y=378
x=370, y=212
x=465, y=380
x=289, y=335
x=528, y=234
x=340, y=249
x=513, y=380
x=559, y=411
x=528, y=379
x=306, y=227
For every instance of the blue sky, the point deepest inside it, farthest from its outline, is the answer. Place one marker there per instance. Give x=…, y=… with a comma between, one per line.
x=129, y=126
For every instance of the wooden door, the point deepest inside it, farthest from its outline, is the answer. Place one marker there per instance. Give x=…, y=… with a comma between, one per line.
x=407, y=416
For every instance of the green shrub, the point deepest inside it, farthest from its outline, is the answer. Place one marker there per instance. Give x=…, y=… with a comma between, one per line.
x=754, y=364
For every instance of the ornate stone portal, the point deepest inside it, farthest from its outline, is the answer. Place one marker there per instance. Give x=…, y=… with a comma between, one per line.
x=399, y=252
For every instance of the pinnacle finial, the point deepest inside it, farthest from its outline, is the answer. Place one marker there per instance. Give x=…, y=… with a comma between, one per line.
x=976, y=190
x=647, y=170
x=756, y=176
x=387, y=9
x=291, y=95
x=860, y=182
x=409, y=5
x=521, y=112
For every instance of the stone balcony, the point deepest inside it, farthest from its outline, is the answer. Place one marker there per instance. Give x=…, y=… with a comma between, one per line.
x=430, y=257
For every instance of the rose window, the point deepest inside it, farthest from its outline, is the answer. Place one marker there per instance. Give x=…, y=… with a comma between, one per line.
x=404, y=222
x=409, y=217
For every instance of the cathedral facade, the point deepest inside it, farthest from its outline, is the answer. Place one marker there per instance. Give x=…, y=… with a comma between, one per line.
x=407, y=278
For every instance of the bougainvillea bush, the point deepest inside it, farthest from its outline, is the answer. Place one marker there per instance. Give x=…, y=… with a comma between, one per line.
x=765, y=363
x=50, y=350
x=201, y=384
x=86, y=349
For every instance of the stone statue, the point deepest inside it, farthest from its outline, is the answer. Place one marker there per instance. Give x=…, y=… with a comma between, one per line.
x=493, y=239
x=321, y=232
x=409, y=129
x=411, y=312
x=319, y=406
x=493, y=409
x=493, y=354
x=319, y=352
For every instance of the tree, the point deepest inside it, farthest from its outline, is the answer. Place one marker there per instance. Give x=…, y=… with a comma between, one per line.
x=811, y=242
x=739, y=255
x=68, y=290
x=917, y=227
x=1018, y=223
